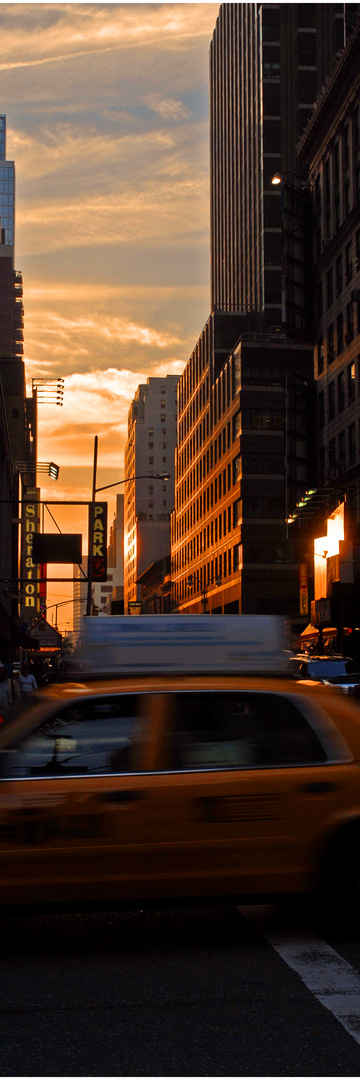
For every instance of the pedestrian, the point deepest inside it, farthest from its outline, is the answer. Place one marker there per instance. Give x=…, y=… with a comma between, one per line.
x=27, y=683
x=9, y=692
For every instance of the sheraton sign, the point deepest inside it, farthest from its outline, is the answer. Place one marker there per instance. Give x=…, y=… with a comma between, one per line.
x=30, y=569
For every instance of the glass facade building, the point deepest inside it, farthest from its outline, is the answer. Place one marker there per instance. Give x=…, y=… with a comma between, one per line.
x=7, y=188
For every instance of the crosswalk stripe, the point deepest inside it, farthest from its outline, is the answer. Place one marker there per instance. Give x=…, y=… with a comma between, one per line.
x=333, y=981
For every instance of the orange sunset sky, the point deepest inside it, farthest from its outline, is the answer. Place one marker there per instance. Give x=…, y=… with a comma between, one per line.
x=107, y=110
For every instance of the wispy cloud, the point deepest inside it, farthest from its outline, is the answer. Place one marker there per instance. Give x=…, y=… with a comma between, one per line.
x=169, y=108
x=107, y=121
x=95, y=402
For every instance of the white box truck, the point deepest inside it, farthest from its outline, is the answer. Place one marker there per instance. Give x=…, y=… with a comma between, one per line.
x=159, y=644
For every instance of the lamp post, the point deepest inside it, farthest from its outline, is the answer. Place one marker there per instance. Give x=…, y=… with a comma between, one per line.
x=61, y=603
x=296, y=291
x=127, y=480
x=202, y=587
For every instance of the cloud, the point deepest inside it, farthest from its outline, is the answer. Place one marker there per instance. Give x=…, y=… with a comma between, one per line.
x=95, y=402
x=90, y=327
x=107, y=121
x=54, y=33
x=169, y=108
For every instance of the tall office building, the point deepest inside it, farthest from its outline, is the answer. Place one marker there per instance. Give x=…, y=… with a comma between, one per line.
x=7, y=187
x=268, y=63
x=148, y=502
x=246, y=418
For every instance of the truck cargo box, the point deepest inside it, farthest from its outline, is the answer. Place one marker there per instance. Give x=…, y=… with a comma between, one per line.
x=183, y=643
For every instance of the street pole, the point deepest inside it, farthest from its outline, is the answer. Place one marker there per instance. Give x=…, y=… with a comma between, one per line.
x=91, y=513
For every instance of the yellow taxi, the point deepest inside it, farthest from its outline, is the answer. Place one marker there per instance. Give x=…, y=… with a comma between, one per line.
x=171, y=788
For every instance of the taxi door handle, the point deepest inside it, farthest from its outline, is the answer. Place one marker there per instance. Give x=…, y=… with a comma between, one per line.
x=317, y=787
x=120, y=796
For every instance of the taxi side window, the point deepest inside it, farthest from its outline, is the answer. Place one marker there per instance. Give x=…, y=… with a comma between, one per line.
x=89, y=737
x=239, y=730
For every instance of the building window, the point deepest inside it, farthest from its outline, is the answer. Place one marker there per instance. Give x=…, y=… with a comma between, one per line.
x=151, y=460
x=321, y=409
x=320, y=353
x=352, y=450
x=340, y=333
x=339, y=281
x=329, y=288
x=331, y=452
x=349, y=323
x=342, y=450
x=320, y=299
x=351, y=376
x=341, y=392
x=318, y=192
x=330, y=343
x=348, y=262
x=331, y=398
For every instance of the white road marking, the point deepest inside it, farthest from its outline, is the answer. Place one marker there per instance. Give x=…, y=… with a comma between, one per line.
x=333, y=981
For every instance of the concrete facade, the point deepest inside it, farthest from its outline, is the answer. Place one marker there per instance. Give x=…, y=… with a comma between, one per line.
x=148, y=502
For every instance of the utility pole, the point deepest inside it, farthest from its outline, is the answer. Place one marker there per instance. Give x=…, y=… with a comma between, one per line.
x=91, y=517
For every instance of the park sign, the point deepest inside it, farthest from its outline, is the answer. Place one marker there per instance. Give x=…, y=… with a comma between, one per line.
x=98, y=541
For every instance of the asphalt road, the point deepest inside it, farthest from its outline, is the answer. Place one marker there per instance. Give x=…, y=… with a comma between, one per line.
x=196, y=992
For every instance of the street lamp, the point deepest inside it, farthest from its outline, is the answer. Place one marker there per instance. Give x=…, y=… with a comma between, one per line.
x=47, y=467
x=203, y=587
x=145, y=476
x=296, y=242
x=48, y=391
x=281, y=177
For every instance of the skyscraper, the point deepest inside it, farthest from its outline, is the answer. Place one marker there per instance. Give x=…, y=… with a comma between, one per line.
x=148, y=502
x=268, y=63
x=246, y=419
x=7, y=187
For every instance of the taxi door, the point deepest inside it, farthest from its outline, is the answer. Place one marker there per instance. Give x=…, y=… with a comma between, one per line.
x=74, y=804
x=244, y=792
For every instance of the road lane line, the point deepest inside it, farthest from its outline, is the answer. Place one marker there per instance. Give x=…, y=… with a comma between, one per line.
x=332, y=980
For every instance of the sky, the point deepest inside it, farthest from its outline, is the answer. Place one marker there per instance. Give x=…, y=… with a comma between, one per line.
x=107, y=110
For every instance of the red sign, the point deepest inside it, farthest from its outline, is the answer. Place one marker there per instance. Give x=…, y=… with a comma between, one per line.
x=98, y=541
x=304, y=588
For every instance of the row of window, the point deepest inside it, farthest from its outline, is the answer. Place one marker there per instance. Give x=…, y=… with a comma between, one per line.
x=195, y=407
x=222, y=566
x=215, y=491
x=340, y=392
x=345, y=332
x=337, y=276
x=339, y=454
x=217, y=448
x=217, y=528
x=338, y=188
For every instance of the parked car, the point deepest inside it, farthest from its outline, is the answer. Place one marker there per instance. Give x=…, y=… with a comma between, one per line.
x=171, y=788
x=333, y=669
